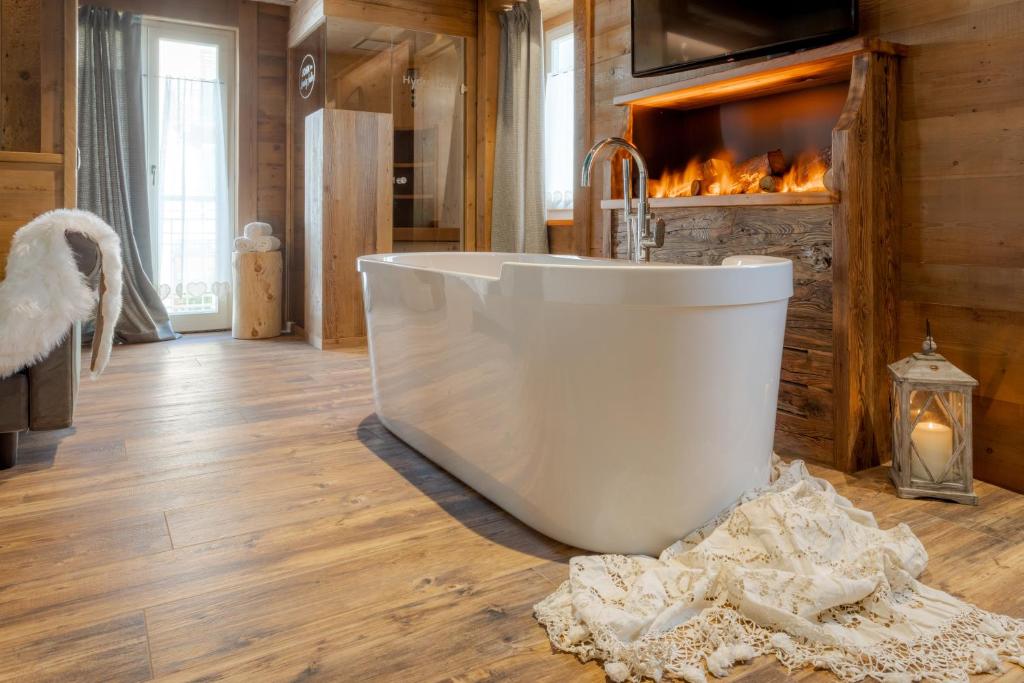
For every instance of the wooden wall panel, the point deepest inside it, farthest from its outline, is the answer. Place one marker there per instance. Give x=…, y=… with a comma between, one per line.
x=20, y=76
x=26, y=190
x=37, y=76
x=962, y=158
x=271, y=113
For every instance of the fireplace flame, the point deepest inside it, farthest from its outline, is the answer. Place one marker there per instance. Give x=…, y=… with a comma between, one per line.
x=719, y=175
x=806, y=174
x=676, y=183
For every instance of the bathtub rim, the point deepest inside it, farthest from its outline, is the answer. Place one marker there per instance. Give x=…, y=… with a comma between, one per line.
x=738, y=281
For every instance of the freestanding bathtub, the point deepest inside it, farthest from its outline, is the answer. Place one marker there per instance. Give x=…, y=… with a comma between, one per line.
x=612, y=406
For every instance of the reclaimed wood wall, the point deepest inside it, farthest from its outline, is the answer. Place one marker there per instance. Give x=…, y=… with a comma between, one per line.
x=802, y=234
x=961, y=155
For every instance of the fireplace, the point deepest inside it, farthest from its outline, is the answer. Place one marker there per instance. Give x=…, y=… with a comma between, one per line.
x=794, y=157
x=773, y=143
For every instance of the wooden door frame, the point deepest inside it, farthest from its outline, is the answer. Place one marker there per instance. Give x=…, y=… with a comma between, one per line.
x=583, y=111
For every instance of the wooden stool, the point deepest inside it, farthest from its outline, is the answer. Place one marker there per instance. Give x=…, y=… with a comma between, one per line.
x=257, y=294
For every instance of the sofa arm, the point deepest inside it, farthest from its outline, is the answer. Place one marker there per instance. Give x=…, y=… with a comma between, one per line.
x=53, y=385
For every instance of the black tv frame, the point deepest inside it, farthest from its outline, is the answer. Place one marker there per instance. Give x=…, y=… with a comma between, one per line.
x=774, y=49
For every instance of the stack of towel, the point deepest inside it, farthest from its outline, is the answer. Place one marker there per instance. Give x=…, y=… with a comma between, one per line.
x=258, y=237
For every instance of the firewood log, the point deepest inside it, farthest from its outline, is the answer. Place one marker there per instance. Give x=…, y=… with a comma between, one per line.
x=829, y=181
x=695, y=187
x=825, y=153
x=771, y=163
x=751, y=171
x=714, y=172
x=771, y=183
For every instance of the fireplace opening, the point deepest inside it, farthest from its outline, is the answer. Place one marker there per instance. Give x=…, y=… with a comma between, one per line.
x=771, y=144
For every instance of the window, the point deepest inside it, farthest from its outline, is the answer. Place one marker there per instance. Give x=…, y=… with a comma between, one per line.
x=558, y=119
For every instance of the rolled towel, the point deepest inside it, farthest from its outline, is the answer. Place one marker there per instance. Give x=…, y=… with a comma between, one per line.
x=254, y=230
x=244, y=244
x=266, y=243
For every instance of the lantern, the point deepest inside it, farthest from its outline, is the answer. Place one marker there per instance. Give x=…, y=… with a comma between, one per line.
x=931, y=427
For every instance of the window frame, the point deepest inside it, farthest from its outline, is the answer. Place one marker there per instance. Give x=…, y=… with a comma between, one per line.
x=154, y=29
x=551, y=35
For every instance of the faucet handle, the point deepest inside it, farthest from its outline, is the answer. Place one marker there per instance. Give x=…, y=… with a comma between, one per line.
x=653, y=232
x=659, y=232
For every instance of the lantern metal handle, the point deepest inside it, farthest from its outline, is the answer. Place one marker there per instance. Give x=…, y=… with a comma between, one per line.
x=928, y=346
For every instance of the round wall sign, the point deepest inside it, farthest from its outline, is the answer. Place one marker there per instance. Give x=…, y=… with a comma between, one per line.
x=307, y=76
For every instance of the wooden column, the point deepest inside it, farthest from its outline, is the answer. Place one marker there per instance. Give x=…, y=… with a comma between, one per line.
x=866, y=261
x=348, y=198
x=583, y=100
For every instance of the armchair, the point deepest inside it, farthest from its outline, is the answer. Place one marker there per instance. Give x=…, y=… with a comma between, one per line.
x=40, y=397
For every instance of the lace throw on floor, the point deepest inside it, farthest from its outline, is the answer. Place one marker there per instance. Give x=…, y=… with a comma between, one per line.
x=792, y=570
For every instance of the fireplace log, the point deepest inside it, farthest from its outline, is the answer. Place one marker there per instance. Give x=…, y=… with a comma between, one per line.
x=771, y=183
x=713, y=171
x=770, y=163
x=751, y=171
x=825, y=153
x=829, y=181
x=695, y=187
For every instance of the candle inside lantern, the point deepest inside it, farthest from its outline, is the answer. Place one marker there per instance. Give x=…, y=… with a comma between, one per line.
x=934, y=444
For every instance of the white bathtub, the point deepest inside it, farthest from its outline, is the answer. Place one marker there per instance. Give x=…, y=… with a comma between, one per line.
x=614, y=407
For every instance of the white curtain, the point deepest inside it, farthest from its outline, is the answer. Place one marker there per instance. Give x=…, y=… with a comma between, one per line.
x=558, y=145
x=518, y=222
x=192, y=192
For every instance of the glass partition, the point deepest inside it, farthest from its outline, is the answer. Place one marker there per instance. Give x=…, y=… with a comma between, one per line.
x=418, y=78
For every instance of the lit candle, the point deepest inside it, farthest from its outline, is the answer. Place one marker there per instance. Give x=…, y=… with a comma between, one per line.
x=934, y=444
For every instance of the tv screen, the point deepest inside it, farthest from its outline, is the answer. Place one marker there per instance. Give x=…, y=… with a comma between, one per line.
x=672, y=35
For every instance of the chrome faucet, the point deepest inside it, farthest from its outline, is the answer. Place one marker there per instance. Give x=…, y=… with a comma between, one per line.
x=641, y=237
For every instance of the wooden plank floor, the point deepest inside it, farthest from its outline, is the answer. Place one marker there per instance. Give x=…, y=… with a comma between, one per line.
x=232, y=510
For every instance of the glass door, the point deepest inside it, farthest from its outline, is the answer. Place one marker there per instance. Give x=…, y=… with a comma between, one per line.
x=418, y=78
x=189, y=77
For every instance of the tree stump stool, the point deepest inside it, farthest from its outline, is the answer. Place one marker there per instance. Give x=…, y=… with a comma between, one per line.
x=257, y=294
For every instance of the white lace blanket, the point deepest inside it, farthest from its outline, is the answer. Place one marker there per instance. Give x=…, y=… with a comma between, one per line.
x=792, y=570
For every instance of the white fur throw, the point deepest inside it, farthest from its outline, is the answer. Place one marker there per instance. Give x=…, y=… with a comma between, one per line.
x=44, y=293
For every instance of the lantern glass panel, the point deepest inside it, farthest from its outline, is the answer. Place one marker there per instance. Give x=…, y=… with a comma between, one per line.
x=932, y=437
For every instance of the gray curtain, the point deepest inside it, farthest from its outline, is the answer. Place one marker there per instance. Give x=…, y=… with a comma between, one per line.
x=518, y=218
x=112, y=148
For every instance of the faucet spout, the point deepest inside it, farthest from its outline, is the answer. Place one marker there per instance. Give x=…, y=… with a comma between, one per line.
x=620, y=143
x=638, y=227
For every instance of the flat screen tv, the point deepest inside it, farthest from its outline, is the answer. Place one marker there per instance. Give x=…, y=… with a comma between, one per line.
x=674, y=35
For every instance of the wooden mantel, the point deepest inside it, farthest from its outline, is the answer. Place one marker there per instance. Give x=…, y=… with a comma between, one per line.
x=761, y=199
x=806, y=69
